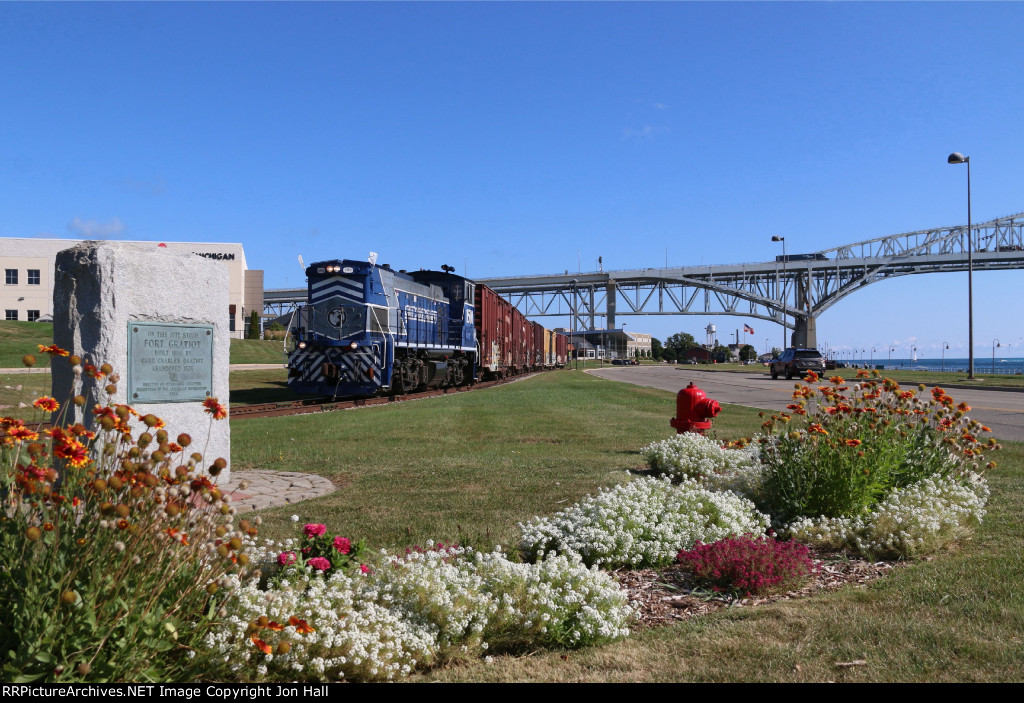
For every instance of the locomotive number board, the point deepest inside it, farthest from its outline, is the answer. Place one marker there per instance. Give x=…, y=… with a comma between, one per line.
x=169, y=363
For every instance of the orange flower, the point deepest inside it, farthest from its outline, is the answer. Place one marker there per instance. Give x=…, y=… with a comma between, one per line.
x=72, y=450
x=964, y=407
x=53, y=350
x=863, y=373
x=6, y=422
x=852, y=442
x=92, y=371
x=213, y=407
x=276, y=627
x=261, y=645
x=811, y=377
x=838, y=380
x=815, y=427
x=301, y=626
x=22, y=434
x=47, y=403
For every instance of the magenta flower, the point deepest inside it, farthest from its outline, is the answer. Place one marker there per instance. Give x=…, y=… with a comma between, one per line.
x=319, y=563
x=342, y=544
x=314, y=530
x=364, y=568
x=286, y=558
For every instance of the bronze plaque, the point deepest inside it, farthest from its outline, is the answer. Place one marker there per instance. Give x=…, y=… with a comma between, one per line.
x=169, y=363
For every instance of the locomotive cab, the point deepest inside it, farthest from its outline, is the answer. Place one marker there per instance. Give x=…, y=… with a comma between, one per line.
x=368, y=329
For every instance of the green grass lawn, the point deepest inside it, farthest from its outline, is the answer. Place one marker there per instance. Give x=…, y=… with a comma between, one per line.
x=20, y=338
x=469, y=467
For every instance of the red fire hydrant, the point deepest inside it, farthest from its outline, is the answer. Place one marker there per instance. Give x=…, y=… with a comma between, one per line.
x=694, y=410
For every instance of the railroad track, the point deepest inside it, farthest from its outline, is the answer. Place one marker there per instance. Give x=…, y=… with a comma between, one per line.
x=319, y=405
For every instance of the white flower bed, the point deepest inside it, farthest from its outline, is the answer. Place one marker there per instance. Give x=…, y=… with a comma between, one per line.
x=643, y=523
x=691, y=455
x=920, y=519
x=413, y=611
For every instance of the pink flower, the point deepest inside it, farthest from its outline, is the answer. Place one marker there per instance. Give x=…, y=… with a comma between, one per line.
x=364, y=568
x=286, y=558
x=314, y=530
x=319, y=563
x=342, y=544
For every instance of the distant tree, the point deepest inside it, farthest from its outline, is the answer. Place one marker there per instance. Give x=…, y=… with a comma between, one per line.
x=680, y=343
x=776, y=352
x=254, y=325
x=656, y=348
x=720, y=353
x=748, y=353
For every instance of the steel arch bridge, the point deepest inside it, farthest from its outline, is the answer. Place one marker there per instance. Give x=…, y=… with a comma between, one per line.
x=792, y=292
x=796, y=290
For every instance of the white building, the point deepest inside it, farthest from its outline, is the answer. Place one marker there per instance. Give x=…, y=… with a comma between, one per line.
x=27, y=290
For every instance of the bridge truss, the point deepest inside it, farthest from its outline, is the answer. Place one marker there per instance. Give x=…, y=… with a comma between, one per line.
x=796, y=290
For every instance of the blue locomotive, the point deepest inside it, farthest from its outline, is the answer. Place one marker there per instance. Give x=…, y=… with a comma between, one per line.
x=369, y=330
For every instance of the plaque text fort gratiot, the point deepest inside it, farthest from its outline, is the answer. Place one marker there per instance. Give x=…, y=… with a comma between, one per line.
x=169, y=363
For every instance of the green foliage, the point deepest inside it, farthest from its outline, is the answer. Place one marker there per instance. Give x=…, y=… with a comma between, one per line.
x=656, y=348
x=680, y=342
x=748, y=353
x=859, y=445
x=254, y=326
x=108, y=570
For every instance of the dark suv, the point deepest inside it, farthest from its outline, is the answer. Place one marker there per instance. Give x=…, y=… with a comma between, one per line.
x=797, y=361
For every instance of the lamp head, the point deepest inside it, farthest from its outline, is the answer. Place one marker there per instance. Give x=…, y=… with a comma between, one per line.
x=957, y=158
x=777, y=238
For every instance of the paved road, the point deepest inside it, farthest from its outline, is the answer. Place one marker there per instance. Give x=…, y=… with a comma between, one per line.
x=1003, y=411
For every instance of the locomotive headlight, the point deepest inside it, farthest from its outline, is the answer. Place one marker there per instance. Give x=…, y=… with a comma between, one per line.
x=302, y=345
x=353, y=345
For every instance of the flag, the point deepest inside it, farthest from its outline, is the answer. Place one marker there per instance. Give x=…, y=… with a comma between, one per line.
x=747, y=329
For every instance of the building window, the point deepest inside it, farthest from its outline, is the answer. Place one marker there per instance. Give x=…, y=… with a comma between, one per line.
x=12, y=314
x=11, y=277
x=33, y=316
x=231, y=323
x=33, y=277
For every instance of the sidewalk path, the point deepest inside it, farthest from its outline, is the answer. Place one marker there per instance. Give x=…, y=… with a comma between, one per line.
x=268, y=489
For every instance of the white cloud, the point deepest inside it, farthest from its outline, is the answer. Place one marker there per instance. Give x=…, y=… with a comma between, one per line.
x=93, y=229
x=645, y=132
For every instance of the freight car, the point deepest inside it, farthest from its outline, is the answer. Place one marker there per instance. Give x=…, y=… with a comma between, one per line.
x=369, y=330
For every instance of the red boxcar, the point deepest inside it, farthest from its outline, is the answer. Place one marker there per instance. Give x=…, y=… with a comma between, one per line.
x=561, y=350
x=537, y=357
x=493, y=332
x=522, y=340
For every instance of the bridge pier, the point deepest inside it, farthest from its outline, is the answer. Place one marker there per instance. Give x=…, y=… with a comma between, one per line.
x=805, y=333
x=610, y=305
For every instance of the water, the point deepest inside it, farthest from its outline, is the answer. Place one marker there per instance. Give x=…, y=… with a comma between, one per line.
x=982, y=364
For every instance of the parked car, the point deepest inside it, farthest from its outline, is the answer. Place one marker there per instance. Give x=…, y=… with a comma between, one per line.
x=797, y=361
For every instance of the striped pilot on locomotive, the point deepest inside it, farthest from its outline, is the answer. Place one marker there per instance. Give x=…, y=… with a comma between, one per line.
x=369, y=330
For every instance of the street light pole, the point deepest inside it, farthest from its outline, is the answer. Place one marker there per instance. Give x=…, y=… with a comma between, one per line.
x=995, y=343
x=576, y=342
x=945, y=346
x=957, y=158
x=777, y=238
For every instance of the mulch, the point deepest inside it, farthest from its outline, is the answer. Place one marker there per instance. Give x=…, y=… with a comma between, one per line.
x=670, y=594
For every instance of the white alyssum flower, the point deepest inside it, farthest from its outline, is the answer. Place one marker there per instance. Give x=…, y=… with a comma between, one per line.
x=644, y=522
x=414, y=610
x=922, y=518
x=694, y=456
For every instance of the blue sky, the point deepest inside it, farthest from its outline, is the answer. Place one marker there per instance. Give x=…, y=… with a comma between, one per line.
x=514, y=138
